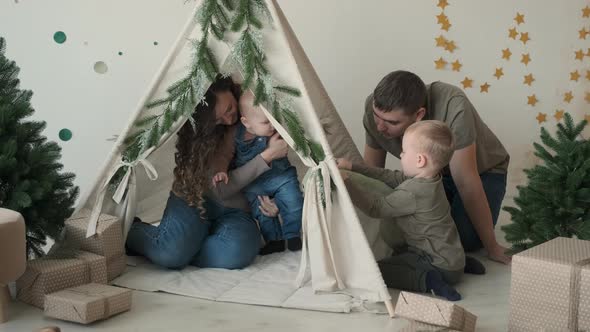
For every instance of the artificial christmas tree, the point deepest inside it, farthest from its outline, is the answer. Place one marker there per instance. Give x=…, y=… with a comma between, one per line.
x=556, y=200
x=31, y=181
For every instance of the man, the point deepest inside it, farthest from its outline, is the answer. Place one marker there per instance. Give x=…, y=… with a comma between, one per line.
x=474, y=181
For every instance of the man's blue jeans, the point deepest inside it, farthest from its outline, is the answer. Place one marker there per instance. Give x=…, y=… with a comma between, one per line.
x=494, y=185
x=226, y=238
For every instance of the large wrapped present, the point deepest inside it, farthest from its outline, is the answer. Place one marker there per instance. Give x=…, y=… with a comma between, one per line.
x=88, y=303
x=550, y=287
x=432, y=311
x=107, y=242
x=44, y=276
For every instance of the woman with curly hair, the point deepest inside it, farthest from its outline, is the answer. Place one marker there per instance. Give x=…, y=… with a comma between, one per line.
x=206, y=224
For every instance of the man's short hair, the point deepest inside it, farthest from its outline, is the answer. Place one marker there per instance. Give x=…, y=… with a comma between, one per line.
x=435, y=139
x=400, y=90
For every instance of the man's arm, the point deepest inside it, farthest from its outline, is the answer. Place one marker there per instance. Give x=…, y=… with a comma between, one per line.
x=374, y=157
x=463, y=167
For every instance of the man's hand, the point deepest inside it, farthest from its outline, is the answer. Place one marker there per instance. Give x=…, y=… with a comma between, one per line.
x=221, y=176
x=344, y=164
x=498, y=254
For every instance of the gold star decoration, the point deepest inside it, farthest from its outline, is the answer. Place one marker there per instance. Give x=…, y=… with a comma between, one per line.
x=519, y=18
x=528, y=79
x=524, y=37
x=446, y=26
x=579, y=55
x=541, y=117
x=506, y=54
x=499, y=73
x=450, y=46
x=558, y=115
x=526, y=58
x=441, y=18
x=512, y=33
x=456, y=65
x=586, y=11
x=568, y=96
x=587, y=98
x=574, y=76
x=587, y=117
x=442, y=4
x=441, y=41
x=583, y=33
x=588, y=75
x=484, y=87
x=440, y=63
x=467, y=83
x=532, y=100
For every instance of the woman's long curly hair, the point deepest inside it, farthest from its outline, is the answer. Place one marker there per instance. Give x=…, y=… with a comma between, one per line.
x=196, y=145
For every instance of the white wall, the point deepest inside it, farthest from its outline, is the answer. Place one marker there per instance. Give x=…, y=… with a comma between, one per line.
x=352, y=44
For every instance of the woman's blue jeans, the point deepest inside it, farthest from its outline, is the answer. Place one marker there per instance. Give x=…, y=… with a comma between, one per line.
x=226, y=238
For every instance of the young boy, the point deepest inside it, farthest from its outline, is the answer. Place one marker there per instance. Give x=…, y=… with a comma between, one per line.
x=417, y=203
x=279, y=182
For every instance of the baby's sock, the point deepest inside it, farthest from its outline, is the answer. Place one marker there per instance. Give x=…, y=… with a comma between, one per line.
x=473, y=266
x=272, y=247
x=436, y=284
x=294, y=244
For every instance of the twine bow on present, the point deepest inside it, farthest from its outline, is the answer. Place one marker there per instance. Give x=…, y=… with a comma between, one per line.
x=121, y=188
x=574, y=293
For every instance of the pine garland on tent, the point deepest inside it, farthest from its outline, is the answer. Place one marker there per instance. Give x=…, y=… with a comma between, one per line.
x=556, y=201
x=216, y=17
x=31, y=181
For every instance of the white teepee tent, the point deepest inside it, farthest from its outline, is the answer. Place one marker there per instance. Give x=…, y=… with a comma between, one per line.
x=339, y=249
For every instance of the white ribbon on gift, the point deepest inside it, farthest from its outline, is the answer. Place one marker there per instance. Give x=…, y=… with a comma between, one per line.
x=124, y=186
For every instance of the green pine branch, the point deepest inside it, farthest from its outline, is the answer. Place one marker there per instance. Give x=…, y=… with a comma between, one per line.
x=31, y=178
x=555, y=201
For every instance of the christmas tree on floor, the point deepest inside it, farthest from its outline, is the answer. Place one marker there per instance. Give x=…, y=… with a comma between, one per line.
x=556, y=200
x=31, y=181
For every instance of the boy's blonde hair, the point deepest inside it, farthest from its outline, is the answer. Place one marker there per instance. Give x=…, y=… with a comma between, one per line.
x=435, y=139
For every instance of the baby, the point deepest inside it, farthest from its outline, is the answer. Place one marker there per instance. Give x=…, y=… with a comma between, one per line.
x=280, y=182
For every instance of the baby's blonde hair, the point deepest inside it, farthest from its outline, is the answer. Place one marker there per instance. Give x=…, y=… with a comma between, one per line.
x=435, y=139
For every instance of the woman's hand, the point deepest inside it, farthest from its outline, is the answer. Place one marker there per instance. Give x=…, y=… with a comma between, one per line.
x=268, y=207
x=344, y=164
x=276, y=148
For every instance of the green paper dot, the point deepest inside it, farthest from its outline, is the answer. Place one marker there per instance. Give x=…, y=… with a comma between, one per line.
x=100, y=67
x=120, y=53
x=59, y=37
x=156, y=43
x=65, y=134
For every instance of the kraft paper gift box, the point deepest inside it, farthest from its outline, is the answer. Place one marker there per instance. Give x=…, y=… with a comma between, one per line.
x=107, y=242
x=88, y=303
x=550, y=287
x=44, y=276
x=429, y=310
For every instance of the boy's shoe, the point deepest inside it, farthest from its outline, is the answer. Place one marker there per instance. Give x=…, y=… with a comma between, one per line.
x=272, y=247
x=294, y=244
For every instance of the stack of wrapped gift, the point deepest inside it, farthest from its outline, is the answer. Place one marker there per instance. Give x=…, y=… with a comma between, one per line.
x=88, y=303
x=50, y=274
x=431, y=314
x=550, y=287
x=107, y=242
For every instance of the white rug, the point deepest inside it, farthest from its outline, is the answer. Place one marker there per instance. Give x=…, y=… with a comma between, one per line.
x=269, y=281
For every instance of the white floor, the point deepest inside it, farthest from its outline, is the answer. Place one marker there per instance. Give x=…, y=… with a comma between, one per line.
x=486, y=296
